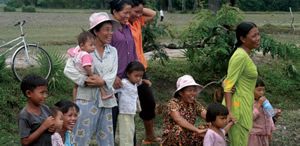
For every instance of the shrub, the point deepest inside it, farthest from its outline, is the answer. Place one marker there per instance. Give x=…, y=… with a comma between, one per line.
x=9, y=9
x=28, y=9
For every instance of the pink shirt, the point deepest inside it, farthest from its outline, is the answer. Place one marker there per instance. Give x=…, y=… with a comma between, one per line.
x=262, y=123
x=212, y=138
x=81, y=59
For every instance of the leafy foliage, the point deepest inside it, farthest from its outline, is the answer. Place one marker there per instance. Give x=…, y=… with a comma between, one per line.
x=9, y=9
x=151, y=32
x=28, y=9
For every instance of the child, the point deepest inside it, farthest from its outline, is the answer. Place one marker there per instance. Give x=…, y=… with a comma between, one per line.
x=34, y=122
x=217, y=115
x=69, y=110
x=263, y=125
x=56, y=113
x=128, y=96
x=83, y=62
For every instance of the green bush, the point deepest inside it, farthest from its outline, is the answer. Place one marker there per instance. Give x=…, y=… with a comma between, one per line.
x=9, y=9
x=28, y=9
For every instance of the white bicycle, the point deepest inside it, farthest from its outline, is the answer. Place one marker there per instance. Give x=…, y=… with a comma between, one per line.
x=28, y=58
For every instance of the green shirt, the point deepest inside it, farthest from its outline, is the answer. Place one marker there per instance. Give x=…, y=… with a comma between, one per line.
x=242, y=74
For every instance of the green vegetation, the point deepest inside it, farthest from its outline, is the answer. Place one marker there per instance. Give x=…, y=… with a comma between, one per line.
x=9, y=9
x=57, y=32
x=28, y=9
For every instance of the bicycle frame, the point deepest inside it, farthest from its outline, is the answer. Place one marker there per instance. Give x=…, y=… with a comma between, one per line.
x=22, y=40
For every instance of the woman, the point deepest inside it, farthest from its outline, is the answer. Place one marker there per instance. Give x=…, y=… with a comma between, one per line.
x=94, y=111
x=69, y=110
x=138, y=17
x=242, y=74
x=124, y=42
x=179, y=120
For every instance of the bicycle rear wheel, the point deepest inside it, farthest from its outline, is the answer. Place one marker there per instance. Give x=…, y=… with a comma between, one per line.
x=39, y=62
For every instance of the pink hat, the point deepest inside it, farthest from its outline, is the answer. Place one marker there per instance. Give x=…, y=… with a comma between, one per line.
x=185, y=81
x=97, y=18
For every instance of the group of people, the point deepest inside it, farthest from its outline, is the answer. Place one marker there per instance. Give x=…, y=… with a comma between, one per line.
x=109, y=70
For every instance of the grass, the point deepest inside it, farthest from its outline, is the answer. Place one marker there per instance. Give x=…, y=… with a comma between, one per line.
x=56, y=29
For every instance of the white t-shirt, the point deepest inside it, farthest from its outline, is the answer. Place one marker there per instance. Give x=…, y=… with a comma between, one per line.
x=127, y=95
x=161, y=13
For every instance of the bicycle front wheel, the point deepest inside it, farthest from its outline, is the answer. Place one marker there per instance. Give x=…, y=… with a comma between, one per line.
x=35, y=61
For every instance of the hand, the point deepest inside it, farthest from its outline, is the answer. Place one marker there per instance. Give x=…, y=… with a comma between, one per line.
x=233, y=89
x=147, y=82
x=52, y=129
x=261, y=100
x=201, y=132
x=118, y=83
x=49, y=122
x=278, y=112
x=95, y=81
x=231, y=118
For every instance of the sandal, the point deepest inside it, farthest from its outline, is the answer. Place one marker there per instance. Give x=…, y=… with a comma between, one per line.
x=153, y=141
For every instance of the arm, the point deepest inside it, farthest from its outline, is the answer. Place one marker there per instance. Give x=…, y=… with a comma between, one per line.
x=228, y=96
x=36, y=134
x=228, y=126
x=184, y=123
x=88, y=69
x=149, y=14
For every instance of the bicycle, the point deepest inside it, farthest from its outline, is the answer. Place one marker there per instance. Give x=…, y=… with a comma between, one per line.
x=28, y=58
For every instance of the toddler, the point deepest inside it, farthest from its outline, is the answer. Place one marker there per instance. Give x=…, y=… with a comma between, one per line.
x=83, y=62
x=34, y=121
x=128, y=97
x=217, y=115
x=56, y=113
x=263, y=125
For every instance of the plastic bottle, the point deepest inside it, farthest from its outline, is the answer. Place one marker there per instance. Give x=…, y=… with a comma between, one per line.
x=268, y=107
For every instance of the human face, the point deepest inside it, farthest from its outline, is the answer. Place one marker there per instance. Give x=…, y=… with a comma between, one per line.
x=38, y=96
x=135, y=76
x=123, y=15
x=220, y=121
x=59, y=120
x=136, y=12
x=89, y=46
x=105, y=33
x=252, y=39
x=70, y=119
x=188, y=94
x=258, y=92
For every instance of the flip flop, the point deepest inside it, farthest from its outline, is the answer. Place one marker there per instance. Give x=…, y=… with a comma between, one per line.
x=153, y=141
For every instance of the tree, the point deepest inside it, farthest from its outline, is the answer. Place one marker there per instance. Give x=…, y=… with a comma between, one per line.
x=170, y=9
x=195, y=5
x=214, y=5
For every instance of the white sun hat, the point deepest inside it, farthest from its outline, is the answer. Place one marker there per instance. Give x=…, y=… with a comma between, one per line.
x=97, y=18
x=184, y=81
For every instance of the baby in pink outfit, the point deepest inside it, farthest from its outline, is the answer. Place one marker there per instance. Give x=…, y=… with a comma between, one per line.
x=83, y=61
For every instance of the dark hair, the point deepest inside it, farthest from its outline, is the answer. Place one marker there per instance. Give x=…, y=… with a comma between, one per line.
x=136, y=3
x=98, y=27
x=242, y=30
x=118, y=5
x=84, y=36
x=31, y=81
x=215, y=109
x=65, y=105
x=135, y=66
x=259, y=82
x=54, y=110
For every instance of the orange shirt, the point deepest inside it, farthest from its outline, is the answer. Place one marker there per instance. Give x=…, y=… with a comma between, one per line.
x=136, y=29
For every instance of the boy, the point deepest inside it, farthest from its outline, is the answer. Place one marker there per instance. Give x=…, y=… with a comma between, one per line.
x=35, y=125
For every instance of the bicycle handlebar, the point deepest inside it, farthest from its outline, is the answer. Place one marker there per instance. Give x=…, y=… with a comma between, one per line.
x=20, y=23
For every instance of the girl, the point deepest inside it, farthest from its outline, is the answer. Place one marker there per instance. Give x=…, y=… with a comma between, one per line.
x=83, y=61
x=217, y=115
x=58, y=119
x=128, y=96
x=263, y=125
x=69, y=116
